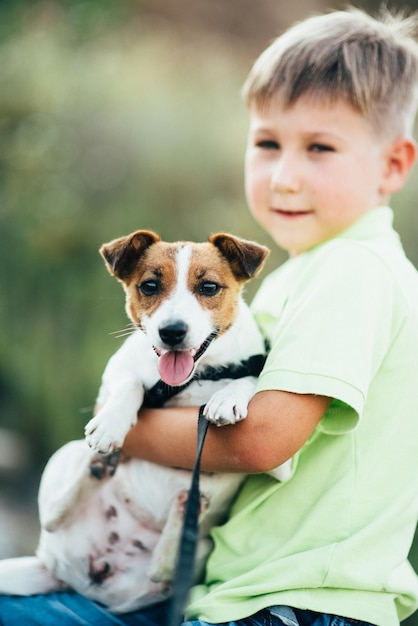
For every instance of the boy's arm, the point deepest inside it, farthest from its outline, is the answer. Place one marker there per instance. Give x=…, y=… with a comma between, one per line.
x=277, y=425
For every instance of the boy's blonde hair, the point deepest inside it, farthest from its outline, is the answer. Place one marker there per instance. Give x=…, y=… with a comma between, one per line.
x=370, y=63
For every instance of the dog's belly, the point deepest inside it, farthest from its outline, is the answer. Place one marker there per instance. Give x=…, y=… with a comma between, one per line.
x=104, y=552
x=106, y=546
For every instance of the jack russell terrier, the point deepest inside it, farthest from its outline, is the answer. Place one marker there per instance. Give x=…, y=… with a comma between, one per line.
x=112, y=535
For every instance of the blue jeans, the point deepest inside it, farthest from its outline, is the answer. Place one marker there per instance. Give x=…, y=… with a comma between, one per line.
x=71, y=609
x=304, y=618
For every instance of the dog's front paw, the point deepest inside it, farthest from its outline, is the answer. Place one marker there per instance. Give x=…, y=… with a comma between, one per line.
x=230, y=404
x=230, y=411
x=99, y=438
x=106, y=433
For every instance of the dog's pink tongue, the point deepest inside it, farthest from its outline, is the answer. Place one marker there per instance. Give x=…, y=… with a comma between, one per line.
x=175, y=367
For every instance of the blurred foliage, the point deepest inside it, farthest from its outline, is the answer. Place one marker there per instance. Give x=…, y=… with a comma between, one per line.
x=102, y=131
x=114, y=116
x=110, y=120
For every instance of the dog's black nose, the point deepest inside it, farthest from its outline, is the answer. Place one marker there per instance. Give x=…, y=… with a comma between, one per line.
x=172, y=334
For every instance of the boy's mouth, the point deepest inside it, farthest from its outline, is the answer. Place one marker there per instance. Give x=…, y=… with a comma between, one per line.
x=291, y=214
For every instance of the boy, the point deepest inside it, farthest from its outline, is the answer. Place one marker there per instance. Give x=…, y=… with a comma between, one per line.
x=332, y=104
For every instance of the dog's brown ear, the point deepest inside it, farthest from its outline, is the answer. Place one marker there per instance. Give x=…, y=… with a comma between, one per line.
x=121, y=255
x=245, y=257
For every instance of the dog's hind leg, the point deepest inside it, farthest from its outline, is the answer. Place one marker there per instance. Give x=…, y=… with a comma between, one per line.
x=164, y=557
x=65, y=483
x=165, y=552
x=26, y=576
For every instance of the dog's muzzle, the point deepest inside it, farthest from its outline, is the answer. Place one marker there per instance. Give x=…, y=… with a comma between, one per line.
x=176, y=366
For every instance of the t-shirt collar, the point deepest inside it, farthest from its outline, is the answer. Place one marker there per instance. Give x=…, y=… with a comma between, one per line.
x=377, y=222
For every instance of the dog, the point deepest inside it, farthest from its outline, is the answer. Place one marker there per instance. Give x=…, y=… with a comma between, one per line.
x=112, y=535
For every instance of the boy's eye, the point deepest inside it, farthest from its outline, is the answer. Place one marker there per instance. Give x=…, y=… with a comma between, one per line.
x=267, y=144
x=320, y=147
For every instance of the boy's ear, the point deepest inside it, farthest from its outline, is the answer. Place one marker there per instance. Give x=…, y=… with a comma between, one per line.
x=400, y=158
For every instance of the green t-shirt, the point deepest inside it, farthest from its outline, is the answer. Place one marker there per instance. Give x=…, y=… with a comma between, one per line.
x=343, y=322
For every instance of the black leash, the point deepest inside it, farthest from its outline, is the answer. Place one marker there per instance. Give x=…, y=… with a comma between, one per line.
x=185, y=568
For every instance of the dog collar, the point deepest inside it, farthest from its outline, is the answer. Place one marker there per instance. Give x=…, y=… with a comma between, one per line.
x=160, y=393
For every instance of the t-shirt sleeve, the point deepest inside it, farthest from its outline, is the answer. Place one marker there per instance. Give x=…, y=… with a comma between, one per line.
x=334, y=331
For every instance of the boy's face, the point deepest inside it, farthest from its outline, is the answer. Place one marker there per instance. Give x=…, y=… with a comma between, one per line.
x=312, y=169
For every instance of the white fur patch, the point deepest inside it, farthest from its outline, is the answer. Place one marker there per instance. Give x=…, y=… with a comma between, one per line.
x=181, y=305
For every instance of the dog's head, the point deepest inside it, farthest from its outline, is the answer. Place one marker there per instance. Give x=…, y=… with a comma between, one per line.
x=182, y=295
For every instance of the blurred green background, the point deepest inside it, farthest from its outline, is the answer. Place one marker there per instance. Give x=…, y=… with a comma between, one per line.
x=114, y=115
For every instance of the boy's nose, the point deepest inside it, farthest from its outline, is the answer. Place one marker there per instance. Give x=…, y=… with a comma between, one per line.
x=285, y=176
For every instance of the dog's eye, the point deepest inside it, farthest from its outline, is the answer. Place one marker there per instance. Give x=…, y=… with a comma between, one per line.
x=149, y=287
x=208, y=288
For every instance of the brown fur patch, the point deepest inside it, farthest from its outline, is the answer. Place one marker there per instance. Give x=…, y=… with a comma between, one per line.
x=209, y=265
x=157, y=264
